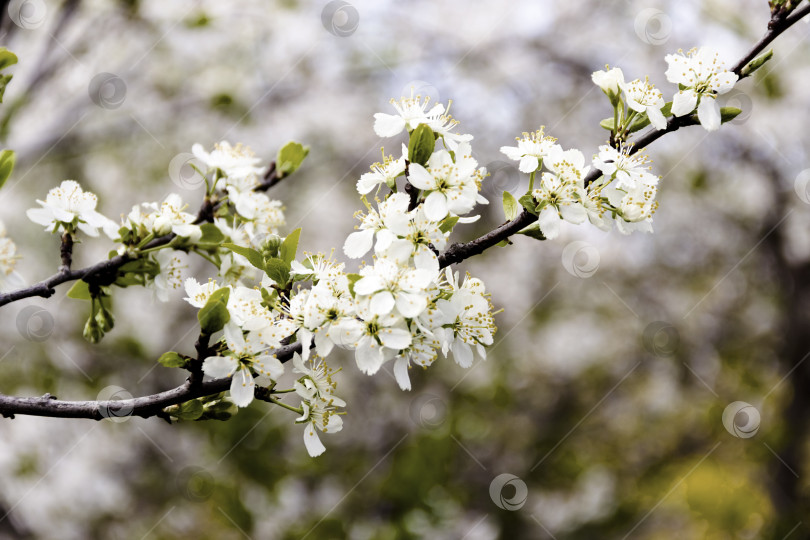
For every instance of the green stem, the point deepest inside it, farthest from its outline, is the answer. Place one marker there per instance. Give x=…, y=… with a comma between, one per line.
x=298, y=410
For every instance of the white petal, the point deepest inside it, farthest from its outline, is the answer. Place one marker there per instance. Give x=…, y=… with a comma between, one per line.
x=709, y=113
x=419, y=177
x=684, y=102
x=462, y=353
x=381, y=303
x=401, y=373
x=436, y=206
x=219, y=366
x=358, y=243
x=573, y=213
x=411, y=305
x=657, y=118
x=369, y=357
x=549, y=222
x=395, y=338
x=270, y=366
x=314, y=445
x=368, y=285
x=528, y=164
x=388, y=125
x=242, y=387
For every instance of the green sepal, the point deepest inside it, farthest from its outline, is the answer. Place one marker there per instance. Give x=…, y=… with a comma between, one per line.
x=7, y=58
x=511, y=208
x=756, y=63
x=290, y=157
x=528, y=202
x=219, y=410
x=421, y=144
x=214, y=315
x=172, y=359
x=448, y=223
x=190, y=410
x=353, y=278
x=79, y=291
x=7, y=160
x=533, y=231
x=211, y=237
x=278, y=270
x=607, y=123
x=254, y=257
x=290, y=246
x=727, y=114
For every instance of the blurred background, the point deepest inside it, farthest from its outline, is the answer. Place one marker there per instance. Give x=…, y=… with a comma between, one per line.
x=599, y=413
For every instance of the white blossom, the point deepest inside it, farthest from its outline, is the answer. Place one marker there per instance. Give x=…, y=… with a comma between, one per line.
x=643, y=97
x=67, y=206
x=531, y=149
x=702, y=76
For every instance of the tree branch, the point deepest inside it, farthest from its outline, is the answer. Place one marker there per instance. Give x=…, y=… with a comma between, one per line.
x=459, y=252
x=145, y=406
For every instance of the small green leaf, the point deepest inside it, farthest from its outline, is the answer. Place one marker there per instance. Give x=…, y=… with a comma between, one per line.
x=7, y=159
x=640, y=123
x=666, y=110
x=607, y=123
x=727, y=114
x=4, y=80
x=214, y=315
x=211, y=236
x=503, y=243
x=353, y=278
x=290, y=157
x=190, y=410
x=79, y=291
x=290, y=246
x=254, y=257
x=528, y=202
x=421, y=144
x=7, y=58
x=448, y=223
x=219, y=410
x=278, y=270
x=172, y=359
x=533, y=231
x=756, y=63
x=511, y=208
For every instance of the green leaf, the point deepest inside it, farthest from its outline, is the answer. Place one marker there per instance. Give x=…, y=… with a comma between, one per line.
x=214, y=315
x=254, y=257
x=190, y=410
x=7, y=58
x=7, y=159
x=756, y=63
x=290, y=246
x=607, y=123
x=140, y=266
x=640, y=123
x=448, y=223
x=353, y=278
x=511, y=208
x=503, y=243
x=278, y=270
x=727, y=114
x=4, y=80
x=172, y=359
x=79, y=291
x=211, y=236
x=666, y=110
x=527, y=202
x=421, y=144
x=290, y=157
x=533, y=231
x=219, y=410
